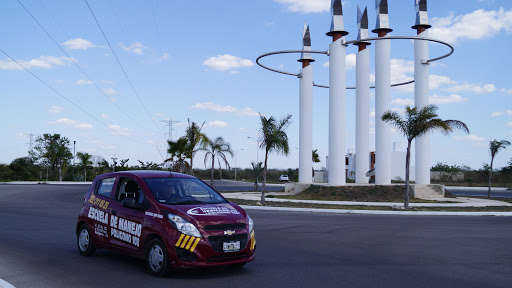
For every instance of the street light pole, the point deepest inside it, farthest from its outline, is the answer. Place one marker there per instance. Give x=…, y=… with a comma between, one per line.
x=257, y=149
x=74, y=144
x=236, y=159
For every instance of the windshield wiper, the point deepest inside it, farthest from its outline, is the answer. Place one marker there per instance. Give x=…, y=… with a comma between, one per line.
x=187, y=202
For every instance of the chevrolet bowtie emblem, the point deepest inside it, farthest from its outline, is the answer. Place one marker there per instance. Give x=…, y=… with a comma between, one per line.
x=229, y=232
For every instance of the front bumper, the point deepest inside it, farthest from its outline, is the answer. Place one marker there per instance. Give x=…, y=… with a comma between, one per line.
x=191, y=252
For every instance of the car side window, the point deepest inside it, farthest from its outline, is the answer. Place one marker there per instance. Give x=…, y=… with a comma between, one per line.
x=105, y=186
x=128, y=188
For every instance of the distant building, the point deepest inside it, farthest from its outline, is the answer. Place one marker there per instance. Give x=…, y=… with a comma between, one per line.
x=397, y=164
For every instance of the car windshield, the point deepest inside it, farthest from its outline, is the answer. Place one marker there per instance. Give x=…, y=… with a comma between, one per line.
x=183, y=191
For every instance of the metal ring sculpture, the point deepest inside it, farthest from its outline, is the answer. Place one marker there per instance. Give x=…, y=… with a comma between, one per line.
x=355, y=42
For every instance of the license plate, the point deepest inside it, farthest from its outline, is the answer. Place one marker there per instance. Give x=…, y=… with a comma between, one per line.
x=233, y=246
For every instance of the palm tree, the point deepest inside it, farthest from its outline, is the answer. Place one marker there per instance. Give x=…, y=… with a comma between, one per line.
x=273, y=138
x=195, y=137
x=418, y=123
x=494, y=147
x=217, y=148
x=256, y=172
x=85, y=159
x=178, y=151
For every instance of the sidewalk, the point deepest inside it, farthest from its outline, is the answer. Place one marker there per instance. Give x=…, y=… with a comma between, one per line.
x=458, y=202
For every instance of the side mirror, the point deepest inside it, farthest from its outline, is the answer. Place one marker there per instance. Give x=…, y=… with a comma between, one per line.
x=131, y=203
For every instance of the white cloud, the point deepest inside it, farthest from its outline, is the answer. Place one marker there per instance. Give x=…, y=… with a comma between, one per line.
x=306, y=6
x=433, y=99
x=119, y=130
x=454, y=98
x=109, y=91
x=436, y=81
x=73, y=123
x=45, y=62
x=350, y=62
x=78, y=43
x=164, y=57
x=55, y=110
x=109, y=82
x=506, y=112
x=225, y=109
x=84, y=126
x=477, y=89
x=136, y=48
x=83, y=82
x=227, y=62
x=216, y=124
x=508, y=91
x=509, y=123
x=402, y=102
x=470, y=138
x=476, y=25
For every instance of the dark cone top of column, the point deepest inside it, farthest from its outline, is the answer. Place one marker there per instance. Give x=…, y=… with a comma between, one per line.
x=306, y=45
x=337, y=19
x=421, y=15
x=362, y=26
x=381, y=7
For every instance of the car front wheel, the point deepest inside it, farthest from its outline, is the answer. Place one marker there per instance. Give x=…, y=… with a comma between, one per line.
x=156, y=258
x=84, y=241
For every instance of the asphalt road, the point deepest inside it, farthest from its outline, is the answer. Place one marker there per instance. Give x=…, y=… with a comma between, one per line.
x=38, y=249
x=481, y=192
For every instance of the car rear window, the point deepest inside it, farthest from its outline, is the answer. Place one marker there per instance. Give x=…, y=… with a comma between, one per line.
x=105, y=186
x=183, y=191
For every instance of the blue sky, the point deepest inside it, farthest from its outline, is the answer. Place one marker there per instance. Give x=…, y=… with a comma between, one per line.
x=196, y=59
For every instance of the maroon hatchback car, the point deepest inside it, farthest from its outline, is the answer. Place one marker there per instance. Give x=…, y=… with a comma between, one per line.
x=168, y=219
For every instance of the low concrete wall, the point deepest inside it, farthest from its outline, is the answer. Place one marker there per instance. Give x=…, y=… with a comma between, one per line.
x=295, y=188
x=427, y=191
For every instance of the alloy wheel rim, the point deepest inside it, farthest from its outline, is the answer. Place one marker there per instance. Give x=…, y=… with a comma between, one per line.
x=156, y=258
x=83, y=240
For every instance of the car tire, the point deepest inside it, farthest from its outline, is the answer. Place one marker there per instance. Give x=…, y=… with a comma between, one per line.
x=84, y=241
x=157, y=260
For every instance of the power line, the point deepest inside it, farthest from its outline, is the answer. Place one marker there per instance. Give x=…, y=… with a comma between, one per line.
x=118, y=62
x=67, y=99
x=81, y=70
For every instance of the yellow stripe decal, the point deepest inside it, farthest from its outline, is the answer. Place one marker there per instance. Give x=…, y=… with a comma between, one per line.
x=184, y=241
x=179, y=240
x=253, y=240
x=195, y=244
x=190, y=242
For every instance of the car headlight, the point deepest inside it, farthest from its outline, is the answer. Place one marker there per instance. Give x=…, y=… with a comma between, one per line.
x=251, y=224
x=183, y=225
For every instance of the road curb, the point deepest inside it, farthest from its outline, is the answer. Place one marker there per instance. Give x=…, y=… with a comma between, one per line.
x=375, y=212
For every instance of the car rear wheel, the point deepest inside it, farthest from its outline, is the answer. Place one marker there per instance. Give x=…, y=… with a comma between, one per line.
x=84, y=241
x=156, y=258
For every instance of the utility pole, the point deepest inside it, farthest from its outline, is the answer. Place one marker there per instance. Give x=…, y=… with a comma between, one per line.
x=31, y=142
x=114, y=161
x=168, y=123
x=74, y=144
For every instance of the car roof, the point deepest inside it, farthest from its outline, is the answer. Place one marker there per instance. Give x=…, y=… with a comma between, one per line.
x=144, y=174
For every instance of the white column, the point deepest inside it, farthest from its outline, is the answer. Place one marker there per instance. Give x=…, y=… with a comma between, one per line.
x=306, y=125
x=362, y=115
x=382, y=104
x=337, y=111
x=421, y=95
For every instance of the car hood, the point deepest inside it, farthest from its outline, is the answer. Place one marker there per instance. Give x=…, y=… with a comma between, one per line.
x=209, y=214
